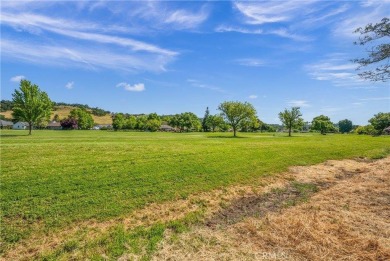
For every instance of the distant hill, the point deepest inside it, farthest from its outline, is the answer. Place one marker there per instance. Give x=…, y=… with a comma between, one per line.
x=100, y=116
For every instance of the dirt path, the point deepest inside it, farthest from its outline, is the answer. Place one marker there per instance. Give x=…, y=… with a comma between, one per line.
x=335, y=210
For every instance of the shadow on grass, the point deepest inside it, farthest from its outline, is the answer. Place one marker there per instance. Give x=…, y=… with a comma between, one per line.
x=12, y=135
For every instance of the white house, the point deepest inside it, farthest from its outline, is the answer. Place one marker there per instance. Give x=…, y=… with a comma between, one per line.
x=20, y=125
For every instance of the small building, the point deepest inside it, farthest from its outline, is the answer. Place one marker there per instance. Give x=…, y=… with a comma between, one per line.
x=102, y=127
x=165, y=127
x=387, y=131
x=6, y=124
x=20, y=125
x=53, y=125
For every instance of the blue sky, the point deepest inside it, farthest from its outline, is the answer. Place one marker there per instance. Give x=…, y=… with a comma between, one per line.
x=170, y=57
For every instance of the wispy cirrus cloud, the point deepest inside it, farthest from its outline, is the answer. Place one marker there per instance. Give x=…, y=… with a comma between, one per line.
x=263, y=12
x=252, y=97
x=298, y=103
x=138, y=87
x=337, y=69
x=224, y=28
x=198, y=84
x=251, y=62
x=375, y=99
x=17, y=78
x=92, y=58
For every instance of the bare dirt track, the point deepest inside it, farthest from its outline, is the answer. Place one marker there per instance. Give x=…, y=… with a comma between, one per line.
x=343, y=215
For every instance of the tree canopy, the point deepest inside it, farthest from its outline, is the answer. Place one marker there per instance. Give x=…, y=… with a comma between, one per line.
x=291, y=119
x=380, y=121
x=345, y=126
x=30, y=104
x=377, y=54
x=322, y=124
x=83, y=117
x=235, y=112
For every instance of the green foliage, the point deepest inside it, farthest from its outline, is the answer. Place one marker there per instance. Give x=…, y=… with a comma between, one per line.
x=291, y=119
x=205, y=121
x=118, y=122
x=322, y=124
x=345, y=126
x=30, y=104
x=186, y=121
x=215, y=122
x=130, y=123
x=6, y=105
x=380, y=121
x=367, y=130
x=83, y=117
x=250, y=125
x=234, y=112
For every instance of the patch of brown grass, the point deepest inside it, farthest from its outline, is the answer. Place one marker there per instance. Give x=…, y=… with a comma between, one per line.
x=347, y=220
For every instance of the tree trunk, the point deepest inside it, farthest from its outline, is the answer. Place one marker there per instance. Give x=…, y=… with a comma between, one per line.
x=289, y=132
x=29, y=128
x=234, y=130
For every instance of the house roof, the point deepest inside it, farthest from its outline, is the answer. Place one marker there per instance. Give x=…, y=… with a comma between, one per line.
x=54, y=124
x=6, y=123
x=23, y=123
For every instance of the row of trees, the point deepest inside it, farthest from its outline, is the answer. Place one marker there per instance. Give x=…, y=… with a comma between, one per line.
x=34, y=106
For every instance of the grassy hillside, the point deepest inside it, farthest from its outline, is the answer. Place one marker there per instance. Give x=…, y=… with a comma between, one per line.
x=63, y=112
x=56, y=179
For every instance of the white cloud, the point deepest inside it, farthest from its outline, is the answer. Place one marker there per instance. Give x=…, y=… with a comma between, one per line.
x=298, y=103
x=69, y=85
x=376, y=99
x=36, y=23
x=223, y=29
x=337, y=69
x=183, y=19
x=17, y=78
x=253, y=62
x=252, y=96
x=92, y=58
x=138, y=87
x=197, y=84
x=272, y=11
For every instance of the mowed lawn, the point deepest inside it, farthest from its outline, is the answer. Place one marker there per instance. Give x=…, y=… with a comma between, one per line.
x=55, y=178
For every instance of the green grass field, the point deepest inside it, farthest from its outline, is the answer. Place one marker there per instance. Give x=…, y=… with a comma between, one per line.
x=56, y=178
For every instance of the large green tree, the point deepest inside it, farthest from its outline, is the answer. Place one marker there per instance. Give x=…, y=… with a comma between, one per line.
x=345, y=126
x=380, y=121
x=235, y=112
x=377, y=37
x=83, y=117
x=291, y=119
x=322, y=124
x=30, y=104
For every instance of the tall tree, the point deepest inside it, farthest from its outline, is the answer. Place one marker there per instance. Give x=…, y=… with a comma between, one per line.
x=322, y=123
x=345, y=126
x=234, y=112
x=30, y=104
x=291, y=119
x=205, y=125
x=377, y=54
